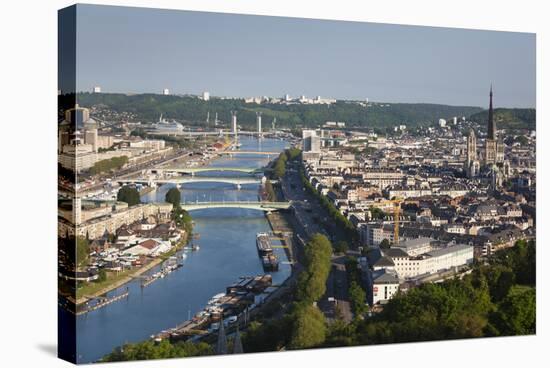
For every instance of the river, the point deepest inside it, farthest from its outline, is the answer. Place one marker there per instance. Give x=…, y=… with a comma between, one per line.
x=227, y=251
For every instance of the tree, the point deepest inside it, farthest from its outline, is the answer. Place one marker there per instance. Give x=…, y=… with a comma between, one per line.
x=376, y=213
x=82, y=251
x=173, y=195
x=129, y=195
x=183, y=219
x=293, y=153
x=270, y=192
x=312, y=281
x=280, y=166
x=163, y=350
x=358, y=299
x=516, y=314
x=102, y=275
x=109, y=164
x=341, y=247
x=385, y=244
x=309, y=327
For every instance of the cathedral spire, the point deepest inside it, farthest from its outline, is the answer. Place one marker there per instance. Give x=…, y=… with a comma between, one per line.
x=491, y=126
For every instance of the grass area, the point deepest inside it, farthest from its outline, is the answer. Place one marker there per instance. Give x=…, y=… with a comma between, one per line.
x=93, y=287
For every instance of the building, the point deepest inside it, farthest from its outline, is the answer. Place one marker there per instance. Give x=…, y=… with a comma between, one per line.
x=206, y=96
x=471, y=166
x=97, y=89
x=383, y=178
x=311, y=141
x=166, y=91
x=91, y=138
x=96, y=227
x=494, y=148
x=385, y=284
x=436, y=260
x=415, y=247
x=372, y=234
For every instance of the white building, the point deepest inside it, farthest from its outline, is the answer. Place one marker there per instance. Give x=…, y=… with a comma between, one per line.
x=442, y=123
x=415, y=247
x=97, y=89
x=385, y=284
x=166, y=91
x=440, y=259
x=206, y=96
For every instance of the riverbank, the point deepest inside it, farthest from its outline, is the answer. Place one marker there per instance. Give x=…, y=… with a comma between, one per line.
x=92, y=290
x=146, y=190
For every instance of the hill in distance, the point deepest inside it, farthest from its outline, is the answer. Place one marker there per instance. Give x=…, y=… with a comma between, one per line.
x=192, y=110
x=514, y=119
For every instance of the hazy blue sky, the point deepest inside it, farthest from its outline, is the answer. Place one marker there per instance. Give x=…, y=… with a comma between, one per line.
x=146, y=50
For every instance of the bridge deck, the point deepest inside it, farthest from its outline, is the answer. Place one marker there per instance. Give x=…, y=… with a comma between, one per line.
x=262, y=206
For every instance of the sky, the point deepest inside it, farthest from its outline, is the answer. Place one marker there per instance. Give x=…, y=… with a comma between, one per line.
x=139, y=50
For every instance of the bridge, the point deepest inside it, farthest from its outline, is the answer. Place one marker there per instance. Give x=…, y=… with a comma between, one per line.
x=192, y=179
x=193, y=170
x=234, y=152
x=261, y=206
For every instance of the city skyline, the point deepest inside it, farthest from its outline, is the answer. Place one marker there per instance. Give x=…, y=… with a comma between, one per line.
x=262, y=56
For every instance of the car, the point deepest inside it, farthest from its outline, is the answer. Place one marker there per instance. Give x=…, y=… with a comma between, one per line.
x=230, y=320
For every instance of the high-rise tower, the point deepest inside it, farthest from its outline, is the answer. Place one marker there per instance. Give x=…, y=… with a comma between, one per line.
x=235, y=127
x=259, y=123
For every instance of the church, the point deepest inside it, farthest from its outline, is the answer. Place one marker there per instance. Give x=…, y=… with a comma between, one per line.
x=492, y=159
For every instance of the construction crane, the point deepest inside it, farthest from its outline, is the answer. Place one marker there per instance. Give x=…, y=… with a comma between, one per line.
x=396, y=204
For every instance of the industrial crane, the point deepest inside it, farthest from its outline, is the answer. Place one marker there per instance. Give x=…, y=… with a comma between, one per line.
x=396, y=204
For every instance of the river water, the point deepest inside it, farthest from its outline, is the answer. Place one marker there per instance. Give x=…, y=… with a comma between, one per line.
x=227, y=251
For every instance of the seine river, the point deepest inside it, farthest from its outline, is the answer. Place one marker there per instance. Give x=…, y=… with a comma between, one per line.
x=227, y=251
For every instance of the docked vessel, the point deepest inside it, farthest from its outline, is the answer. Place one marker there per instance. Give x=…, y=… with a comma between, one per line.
x=270, y=262
x=263, y=244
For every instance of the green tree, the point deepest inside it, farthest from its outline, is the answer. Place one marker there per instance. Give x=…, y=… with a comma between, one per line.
x=377, y=213
x=270, y=192
x=102, y=275
x=341, y=246
x=312, y=281
x=183, y=219
x=109, y=164
x=280, y=166
x=173, y=195
x=309, y=327
x=82, y=251
x=358, y=299
x=129, y=195
x=385, y=244
x=293, y=153
x=516, y=314
x=150, y=350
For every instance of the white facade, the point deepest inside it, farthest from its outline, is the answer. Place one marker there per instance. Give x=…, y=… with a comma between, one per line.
x=206, y=96
x=433, y=261
x=385, y=284
x=166, y=91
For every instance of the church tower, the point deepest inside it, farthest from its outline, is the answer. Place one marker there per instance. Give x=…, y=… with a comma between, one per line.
x=494, y=148
x=471, y=166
